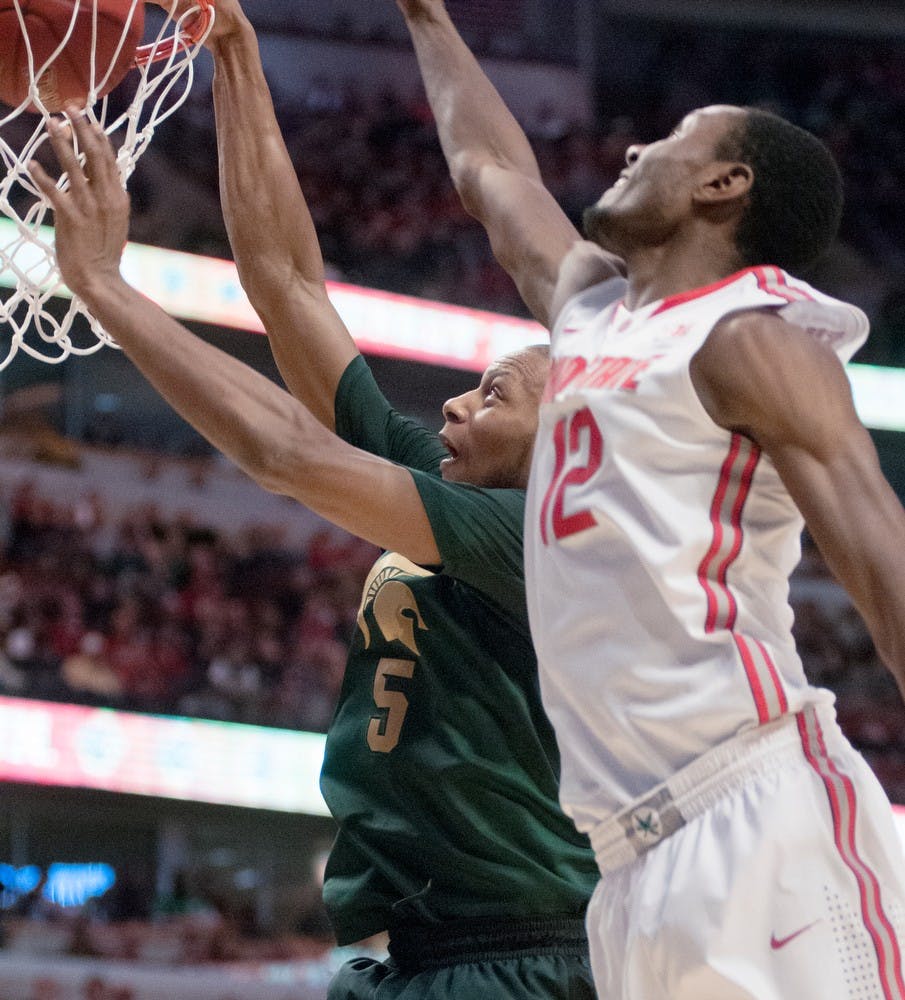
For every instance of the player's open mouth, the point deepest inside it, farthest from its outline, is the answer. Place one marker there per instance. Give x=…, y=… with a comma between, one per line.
x=453, y=452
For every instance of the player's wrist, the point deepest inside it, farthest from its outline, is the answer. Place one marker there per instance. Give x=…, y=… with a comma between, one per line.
x=100, y=289
x=230, y=29
x=419, y=10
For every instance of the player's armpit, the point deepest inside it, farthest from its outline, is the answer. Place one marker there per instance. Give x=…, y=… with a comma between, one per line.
x=585, y=264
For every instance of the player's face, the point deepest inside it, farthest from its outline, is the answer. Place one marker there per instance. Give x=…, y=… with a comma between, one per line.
x=489, y=431
x=654, y=193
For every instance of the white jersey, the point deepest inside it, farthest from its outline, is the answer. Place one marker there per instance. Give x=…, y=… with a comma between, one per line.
x=659, y=545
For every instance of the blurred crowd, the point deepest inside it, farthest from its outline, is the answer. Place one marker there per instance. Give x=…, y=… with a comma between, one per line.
x=147, y=614
x=375, y=178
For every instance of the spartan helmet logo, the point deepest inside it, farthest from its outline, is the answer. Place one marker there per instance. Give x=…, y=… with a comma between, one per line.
x=392, y=602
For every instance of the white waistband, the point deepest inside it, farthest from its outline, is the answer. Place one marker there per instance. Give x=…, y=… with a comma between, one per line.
x=647, y=821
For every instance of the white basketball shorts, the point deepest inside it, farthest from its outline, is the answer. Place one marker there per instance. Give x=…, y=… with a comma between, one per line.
x=769, y=869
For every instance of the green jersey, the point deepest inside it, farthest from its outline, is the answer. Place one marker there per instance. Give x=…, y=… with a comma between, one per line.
x=441, y=767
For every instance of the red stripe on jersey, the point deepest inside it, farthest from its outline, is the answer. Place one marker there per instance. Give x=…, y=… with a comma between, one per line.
x=717, y=525
x=736, y=522
x=753, y=675
x=733, y=489
x=731, y=499
x=843, y=805
x=695, y=293
x=772, y=281
x=774, y=676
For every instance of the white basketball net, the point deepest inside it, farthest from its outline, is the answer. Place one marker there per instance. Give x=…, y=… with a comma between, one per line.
x=163, y=76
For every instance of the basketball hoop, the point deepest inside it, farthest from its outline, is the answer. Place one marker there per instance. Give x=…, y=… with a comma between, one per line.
x=162, y=74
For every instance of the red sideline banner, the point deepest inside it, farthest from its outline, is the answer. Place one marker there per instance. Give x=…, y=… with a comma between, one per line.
x=193, y=759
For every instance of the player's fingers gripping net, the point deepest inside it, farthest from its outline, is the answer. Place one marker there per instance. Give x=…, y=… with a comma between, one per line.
x=97, y=54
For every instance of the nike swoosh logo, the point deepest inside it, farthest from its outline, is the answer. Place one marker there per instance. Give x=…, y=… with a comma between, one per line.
x=777, y=943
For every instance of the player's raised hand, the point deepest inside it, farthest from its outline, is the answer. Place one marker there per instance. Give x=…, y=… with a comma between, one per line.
x=91, y=218
x=228, y=16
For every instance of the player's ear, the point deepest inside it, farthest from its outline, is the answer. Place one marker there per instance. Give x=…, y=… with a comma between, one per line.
x=724, y=181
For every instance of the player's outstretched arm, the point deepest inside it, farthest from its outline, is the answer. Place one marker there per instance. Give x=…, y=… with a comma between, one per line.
x=772, y=381
x=491, y=161
x=262, y=428
x=270, y=229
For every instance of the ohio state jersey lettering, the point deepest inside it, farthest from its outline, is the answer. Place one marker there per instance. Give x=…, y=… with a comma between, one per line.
x=597, y=373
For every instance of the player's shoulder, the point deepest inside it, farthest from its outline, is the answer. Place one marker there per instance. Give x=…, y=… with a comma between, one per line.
x=751, y=333
x=782, y=306
x=753, y=341
x=752, y=325
x=754, y=362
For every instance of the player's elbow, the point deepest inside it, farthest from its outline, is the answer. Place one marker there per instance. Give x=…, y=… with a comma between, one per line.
x=275, y=472
x=272, y=452
x=254, y=459
x=468, y=171
x=261, y=280
x=271, y=285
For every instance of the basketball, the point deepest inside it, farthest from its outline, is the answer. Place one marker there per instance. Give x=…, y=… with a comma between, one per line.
x=61, y=37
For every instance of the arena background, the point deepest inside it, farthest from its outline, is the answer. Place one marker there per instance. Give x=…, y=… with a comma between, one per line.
x=166, y=838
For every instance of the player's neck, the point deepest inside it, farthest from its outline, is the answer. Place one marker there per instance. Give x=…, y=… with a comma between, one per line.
x=658, y=272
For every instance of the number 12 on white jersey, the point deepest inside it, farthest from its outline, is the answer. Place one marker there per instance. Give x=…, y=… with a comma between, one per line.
x=578, y=454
